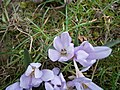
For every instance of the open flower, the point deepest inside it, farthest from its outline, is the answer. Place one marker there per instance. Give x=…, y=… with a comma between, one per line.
x=80, y=82
x=64, y=49
x=14, y=86
x=57, y=83
x=83, y=83
x=33, y=77
x=86, y=54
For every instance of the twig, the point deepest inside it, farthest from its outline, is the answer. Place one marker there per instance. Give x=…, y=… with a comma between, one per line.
x=31, y=38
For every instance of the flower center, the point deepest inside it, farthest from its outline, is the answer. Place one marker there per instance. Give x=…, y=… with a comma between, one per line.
x=63, y=52
x=84, y=86
x=32, y=73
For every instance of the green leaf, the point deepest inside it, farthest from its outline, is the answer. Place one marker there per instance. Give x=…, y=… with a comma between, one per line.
x=7, y=2
x=27, y=58
x=112, y=43
x=76, y=42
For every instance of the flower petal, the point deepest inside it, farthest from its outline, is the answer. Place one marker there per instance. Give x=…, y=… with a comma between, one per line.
x=35, y=65
x=62, y=77
x=70, y=51
x=29, y=70
x=65, y=39
x=63, y=86
x=56, y=81
x=14, y=86
x=70, y=84
x=81, y=58
x=25, y=81
x=86, y=63
x=53, y=54
x=57, y=43
x=85, y=69
x=82, y=80
x=48, y=86
x=56, y=70
x=37, y=73
x=86, y=46
x=78, y=86
x=82, y=55
x=47, y=75
x=36, y=82
x=100, y=52
x=63, y=59
x=93, y=86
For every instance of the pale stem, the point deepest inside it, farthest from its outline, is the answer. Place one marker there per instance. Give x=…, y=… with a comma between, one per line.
x=78, y=73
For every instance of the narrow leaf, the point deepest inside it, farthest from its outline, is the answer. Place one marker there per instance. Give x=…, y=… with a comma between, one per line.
x=112, y=43
x=76, y=42
x=27, y=58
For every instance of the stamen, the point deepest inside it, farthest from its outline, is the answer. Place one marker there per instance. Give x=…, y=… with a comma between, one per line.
x=63, y=52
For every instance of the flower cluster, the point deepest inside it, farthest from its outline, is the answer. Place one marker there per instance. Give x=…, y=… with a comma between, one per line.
x=64, y=50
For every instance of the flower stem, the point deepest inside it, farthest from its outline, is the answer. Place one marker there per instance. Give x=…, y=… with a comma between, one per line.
x=78, y=73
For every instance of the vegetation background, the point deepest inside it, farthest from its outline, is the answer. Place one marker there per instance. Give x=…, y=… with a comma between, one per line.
x=33, y=25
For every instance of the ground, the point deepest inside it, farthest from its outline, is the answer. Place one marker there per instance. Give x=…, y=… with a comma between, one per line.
x=33, y=26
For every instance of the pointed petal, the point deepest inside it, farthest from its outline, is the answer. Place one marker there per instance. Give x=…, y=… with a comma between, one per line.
x=35, y=65
x=56, y=81
x=93, y=86
x=53, y=54
x=57, y=43
x=14, y=86
x=29, y=70
x=25, y=81
x=100, y=52
x=36, y=82
x=48, y=86
x=47, y=75
x=56, y=70
x=86, y=46
x=37, y=73
x=66, y=39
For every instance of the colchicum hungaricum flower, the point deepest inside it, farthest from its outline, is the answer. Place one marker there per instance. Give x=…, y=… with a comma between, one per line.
x=63, y=48
x=86, y=54
x=14, y=86
x=57, y=83
x=33, y=77
x=80, y=82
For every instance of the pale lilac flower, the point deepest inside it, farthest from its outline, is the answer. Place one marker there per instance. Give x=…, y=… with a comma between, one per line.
x=80, y=82
x=64, y=49
x=57, y=83
x=33, y=77
x=83, y=83
x=14, y=86
x=86, y=54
